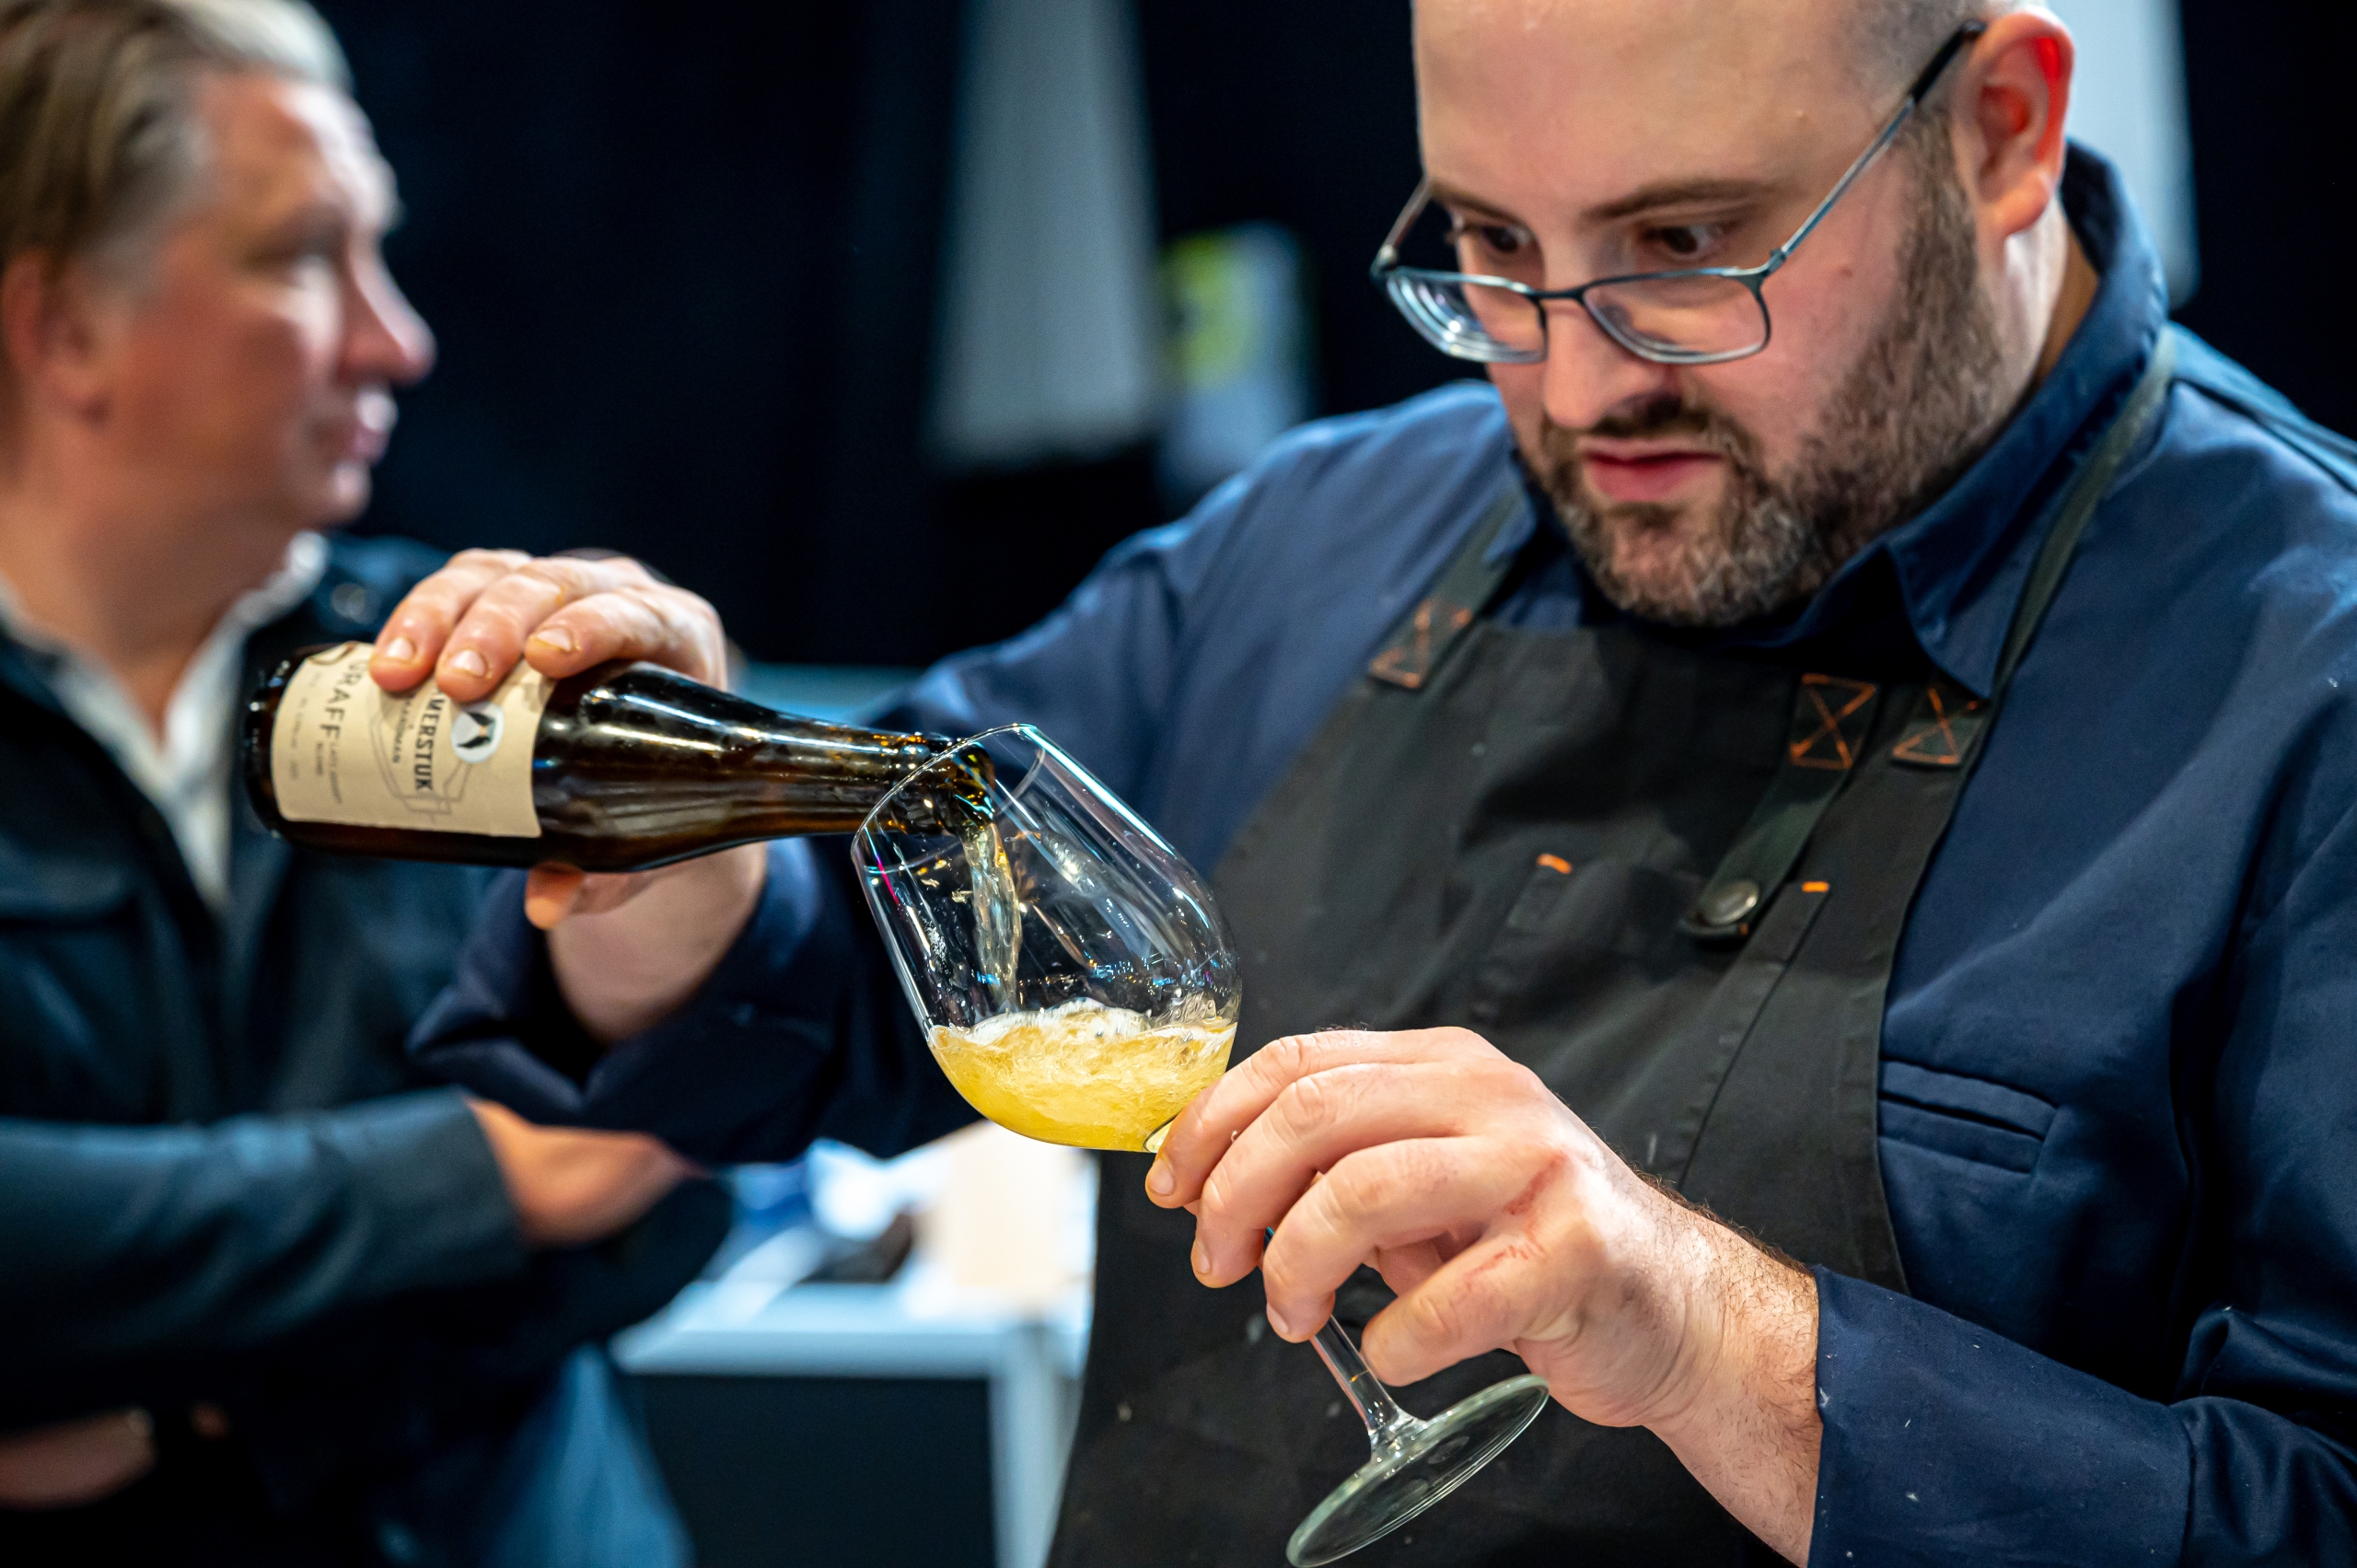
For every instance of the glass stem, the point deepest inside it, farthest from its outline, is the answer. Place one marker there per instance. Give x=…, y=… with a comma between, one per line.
x=1385, y=1421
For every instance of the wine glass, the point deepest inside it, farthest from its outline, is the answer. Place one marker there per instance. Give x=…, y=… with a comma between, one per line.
x=1077, y=985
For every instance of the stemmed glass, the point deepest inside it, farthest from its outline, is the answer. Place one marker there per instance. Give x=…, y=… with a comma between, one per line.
x=1078, y=986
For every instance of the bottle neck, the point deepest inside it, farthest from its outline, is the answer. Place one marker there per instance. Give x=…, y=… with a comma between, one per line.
x=802, y=776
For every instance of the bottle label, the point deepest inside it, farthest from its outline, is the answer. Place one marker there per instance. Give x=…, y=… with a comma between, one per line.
x=346, y=750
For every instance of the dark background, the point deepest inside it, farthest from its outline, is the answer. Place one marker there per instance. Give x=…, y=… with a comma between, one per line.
x=683, y=260
x=826, y=1472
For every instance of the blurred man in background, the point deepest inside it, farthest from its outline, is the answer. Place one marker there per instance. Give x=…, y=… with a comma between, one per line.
x=265, y=1298
x=1892, y=778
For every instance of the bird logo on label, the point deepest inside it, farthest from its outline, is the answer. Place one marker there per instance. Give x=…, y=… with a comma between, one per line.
x=474, y=735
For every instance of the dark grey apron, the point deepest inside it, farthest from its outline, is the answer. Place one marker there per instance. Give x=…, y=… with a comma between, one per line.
x=1670, y=881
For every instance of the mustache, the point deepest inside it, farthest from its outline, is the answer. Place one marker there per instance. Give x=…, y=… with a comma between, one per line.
x=1651, y=420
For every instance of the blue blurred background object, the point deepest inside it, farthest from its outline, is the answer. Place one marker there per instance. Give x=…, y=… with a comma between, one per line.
x=1238, y=358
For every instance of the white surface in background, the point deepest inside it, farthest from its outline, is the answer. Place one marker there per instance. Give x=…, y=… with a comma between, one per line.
x=856, y=1196
x=2128, y=102
x=1011, y=1222
x=1051, y=334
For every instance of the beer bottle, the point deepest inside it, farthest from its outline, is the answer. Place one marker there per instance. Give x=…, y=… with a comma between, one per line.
x=620, y=768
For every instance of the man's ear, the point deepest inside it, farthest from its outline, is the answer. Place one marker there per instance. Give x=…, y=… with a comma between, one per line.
x=2010, y=105
x=50, y=330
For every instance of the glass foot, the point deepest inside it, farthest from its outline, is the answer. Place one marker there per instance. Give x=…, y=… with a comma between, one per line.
x=1420, y=1463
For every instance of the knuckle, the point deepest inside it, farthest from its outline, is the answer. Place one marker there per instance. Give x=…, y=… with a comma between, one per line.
x=440, y=594
x=1217, y=1193
x=480, y=561
x=1312, y=1105
x=1306, y=1104
x=693, y=605
x=1276, y=1270
x=492, y=618
x=616, y=569
x=1368, y=1181
x=1442, y=1312
x=1286, y=1059
x=568, y=577
x=1458, y=1042
x=677, y=617
x=1547, y=1159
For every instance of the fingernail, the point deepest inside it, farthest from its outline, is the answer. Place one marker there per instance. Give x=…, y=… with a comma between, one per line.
x=1202, y=1260
x=1280, y=1322
x=561, y=638
x=401, y=650
x=1159, y=1181
x=469, y=663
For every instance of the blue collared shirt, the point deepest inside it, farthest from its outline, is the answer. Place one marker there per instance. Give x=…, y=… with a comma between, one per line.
x=2120, y=1092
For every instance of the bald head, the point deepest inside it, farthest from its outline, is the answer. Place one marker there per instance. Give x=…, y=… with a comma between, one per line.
x=1888, y=41
x=1598, y=101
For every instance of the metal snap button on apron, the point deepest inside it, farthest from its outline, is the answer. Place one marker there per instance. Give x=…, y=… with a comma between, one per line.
x=1728, y=905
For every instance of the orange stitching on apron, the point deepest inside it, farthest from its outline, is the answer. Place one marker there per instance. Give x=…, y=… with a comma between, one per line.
x=1408, y=663
x=1409, y=666
x=1918, y=747
x=1851, y=695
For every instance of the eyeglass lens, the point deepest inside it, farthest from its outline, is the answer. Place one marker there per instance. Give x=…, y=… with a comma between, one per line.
x=1688, y=316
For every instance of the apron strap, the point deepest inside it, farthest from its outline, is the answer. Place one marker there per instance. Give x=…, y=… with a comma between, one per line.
x=1417, y=645
x=1830, y=723
x=2063, y=543
x=1833, y=717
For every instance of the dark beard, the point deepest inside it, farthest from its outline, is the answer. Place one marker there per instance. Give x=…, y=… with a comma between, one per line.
x=1923, y=398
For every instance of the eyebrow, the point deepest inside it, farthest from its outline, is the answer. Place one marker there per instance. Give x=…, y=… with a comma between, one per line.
x=1644, y=199
x=1676, y=194
x=1450, y=196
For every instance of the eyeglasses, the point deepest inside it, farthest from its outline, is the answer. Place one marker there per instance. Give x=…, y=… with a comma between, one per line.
x=1695, y=315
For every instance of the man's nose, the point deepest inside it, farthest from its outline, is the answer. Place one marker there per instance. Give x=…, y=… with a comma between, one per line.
x=385, y=338
x=1589, y=376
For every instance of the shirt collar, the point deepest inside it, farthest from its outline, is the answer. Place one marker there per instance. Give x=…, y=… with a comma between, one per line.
x=186, y=774
x=1960, y=565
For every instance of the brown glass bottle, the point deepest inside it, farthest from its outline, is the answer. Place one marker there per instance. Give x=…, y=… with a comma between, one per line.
x=629, y=766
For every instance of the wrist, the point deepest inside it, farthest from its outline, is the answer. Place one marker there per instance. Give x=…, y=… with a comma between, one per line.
x=1743, y=1417
x=625, y=970
x=1749, y=1328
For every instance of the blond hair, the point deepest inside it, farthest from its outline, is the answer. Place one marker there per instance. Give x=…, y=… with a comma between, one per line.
x=98, y=130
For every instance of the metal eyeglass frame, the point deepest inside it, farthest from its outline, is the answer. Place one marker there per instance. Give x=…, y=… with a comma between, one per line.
x=1451, y=339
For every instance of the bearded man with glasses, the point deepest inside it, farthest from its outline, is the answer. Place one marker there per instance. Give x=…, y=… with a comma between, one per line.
x=1831, y=781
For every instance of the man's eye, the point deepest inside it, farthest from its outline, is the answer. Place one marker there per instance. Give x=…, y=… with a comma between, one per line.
x=1501, y=240
x=1684, y=242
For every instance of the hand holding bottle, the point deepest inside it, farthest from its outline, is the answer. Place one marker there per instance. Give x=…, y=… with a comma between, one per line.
x=487, y=611
x=468, y=626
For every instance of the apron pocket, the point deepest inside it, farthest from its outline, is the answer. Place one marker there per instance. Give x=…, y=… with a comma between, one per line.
x=1970, y=1118
x=1573, y=928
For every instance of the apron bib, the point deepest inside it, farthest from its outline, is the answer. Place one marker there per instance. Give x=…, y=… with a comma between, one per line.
x=1669, y=881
